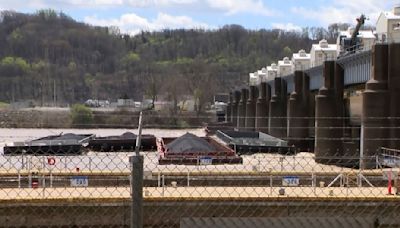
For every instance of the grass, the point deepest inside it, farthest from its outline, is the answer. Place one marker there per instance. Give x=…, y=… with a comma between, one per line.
x=3, y=104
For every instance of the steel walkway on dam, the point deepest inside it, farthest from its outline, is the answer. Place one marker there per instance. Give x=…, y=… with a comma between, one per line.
x=357, y=70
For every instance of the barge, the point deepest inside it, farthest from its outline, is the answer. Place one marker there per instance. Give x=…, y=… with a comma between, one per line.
x=249, y=142
x=62, y=144
x=193, y=150
x=124, y=142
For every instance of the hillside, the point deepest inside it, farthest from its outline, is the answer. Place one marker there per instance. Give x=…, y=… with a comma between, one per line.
x=49, y=55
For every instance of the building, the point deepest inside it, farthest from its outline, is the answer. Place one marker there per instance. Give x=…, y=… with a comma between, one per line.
x=272, y=72
x=285, y=67
x=253, y=79
x=257, y=77
x=262, y=75
x=301, y=60
x=367, y=39
x=125, y=103
x=388, y=26
x=322, y=51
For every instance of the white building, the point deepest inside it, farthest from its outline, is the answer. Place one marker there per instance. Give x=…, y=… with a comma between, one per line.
x=272, y=72
x=253, y=79
x=322, y=51
x=262, y=75
x=388, y=26
x=301, y=60
x=367, y=37
x=285, y=67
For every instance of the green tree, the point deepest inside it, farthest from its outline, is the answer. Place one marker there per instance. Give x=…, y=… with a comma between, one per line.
x=14, y=66
x=81, y=116
x=287, y=52
x=129, y=60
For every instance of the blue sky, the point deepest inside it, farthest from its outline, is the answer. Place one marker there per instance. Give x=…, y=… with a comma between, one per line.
x=132, y=16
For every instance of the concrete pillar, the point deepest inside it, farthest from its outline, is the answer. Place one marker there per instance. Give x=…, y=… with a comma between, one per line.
x=242, y=110
x=375, y=108
x=394, y=89
x=339, y=94
x=235, y=104
x=262, y=107
x=250, y=123
x=277, y=111
x=328, y=133
x=229, y=108
x=297, y=114
x=309, y=113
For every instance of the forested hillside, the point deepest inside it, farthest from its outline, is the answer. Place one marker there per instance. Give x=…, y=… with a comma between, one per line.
x=49, y=55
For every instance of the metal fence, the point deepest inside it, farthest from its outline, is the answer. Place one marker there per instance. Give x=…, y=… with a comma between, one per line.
x=121, y=189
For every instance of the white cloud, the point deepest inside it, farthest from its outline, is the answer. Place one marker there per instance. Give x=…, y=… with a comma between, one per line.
x=239, y=6
x=131, y=3
x=37, y=4
x=227, y=7
x=344, y=11
x=287, y=26
x=134, y=24
x=93, y=2
x=18, y=5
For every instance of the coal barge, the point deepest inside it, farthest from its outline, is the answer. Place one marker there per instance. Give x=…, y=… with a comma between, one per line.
x=193, y=150
x=124, y=142
x=62, y=144
x=249, y=142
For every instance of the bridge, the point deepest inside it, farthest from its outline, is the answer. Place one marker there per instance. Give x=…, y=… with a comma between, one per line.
x=311, y=110
x=356, y=67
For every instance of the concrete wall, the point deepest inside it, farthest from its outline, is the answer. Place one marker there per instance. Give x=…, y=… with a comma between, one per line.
x=169, y=213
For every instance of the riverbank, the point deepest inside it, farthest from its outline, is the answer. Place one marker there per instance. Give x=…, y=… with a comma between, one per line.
x=120, y=118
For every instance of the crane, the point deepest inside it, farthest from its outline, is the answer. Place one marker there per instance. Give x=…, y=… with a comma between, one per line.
x=350, y=45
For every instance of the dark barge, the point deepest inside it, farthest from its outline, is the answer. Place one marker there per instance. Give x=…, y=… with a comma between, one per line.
x=62, y=144
x=124, y=142
x=249, y=142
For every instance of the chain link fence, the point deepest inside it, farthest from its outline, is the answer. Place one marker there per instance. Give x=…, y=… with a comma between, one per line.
x=184, y=186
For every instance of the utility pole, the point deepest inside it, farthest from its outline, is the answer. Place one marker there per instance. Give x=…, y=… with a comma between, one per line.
x=54, y=93
x=137, y=182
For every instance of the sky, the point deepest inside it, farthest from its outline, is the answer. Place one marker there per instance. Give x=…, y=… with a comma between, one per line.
x=133, y=16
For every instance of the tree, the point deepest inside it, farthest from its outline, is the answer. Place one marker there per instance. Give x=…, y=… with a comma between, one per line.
x=14, y=66
x=81, y=115
x=83, y=61
x=287, y=52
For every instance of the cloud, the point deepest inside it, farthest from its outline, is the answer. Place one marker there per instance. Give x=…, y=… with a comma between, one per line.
x=18, y=5
x=134, y=24
x=344, y=11
x=92, y=2
x=287, y=26
x=241, y=6
x=227, y=7
x=37, y=4
x=130, y=3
